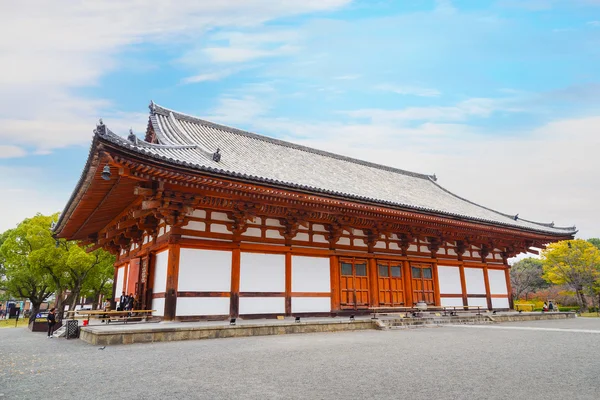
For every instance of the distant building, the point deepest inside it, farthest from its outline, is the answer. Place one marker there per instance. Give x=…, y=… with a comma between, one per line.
x=209, y=221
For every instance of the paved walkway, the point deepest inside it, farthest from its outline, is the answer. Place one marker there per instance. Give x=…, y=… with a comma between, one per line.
x=552, y=361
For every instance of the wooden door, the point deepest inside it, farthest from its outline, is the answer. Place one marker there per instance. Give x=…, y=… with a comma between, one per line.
x=354, y=284
x=391, y=286
x=422, y=283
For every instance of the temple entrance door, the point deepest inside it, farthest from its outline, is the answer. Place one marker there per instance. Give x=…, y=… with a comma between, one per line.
x=391, y=286
x=354, y=284
x=422, y=283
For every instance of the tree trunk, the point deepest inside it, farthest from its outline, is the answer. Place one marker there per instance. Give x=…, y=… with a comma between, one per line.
x=59, y=305
x=582, y=301
x=35, y=308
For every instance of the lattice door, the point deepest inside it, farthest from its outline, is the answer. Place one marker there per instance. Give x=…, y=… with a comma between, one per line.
x=391, y=285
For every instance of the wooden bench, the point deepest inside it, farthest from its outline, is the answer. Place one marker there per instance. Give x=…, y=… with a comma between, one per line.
x=112, y=315
x=454, y=310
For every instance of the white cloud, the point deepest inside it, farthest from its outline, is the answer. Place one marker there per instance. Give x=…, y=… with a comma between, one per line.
x=410, y=90
x=210, y=76
x=594, y=23
x=52, y=51
x=348, y=77
x=8, y=151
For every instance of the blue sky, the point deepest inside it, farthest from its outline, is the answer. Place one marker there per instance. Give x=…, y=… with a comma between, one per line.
x=501, y=99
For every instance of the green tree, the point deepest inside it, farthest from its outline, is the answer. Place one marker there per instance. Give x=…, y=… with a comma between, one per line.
x=526, y=277
x=28, y=252
x=99, y=283
x=595, y=242
x=575, y=263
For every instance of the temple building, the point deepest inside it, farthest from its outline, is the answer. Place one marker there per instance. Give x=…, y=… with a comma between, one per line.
x=211, y=222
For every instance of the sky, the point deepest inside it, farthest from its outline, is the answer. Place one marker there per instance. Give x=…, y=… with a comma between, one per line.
x=499, y=98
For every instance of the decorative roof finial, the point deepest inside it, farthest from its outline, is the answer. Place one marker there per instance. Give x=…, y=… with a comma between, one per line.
x=217, y=155
x=132, y=138
x=152, y=106
x=434, y=178
x=516, y=217
x=100, y=122
x=552, y=224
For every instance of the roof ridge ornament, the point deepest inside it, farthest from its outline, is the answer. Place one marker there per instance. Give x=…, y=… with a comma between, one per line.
x=217, y=155
x=152, y=107
x=516, y=217
x=132, y=138
x=100, y=127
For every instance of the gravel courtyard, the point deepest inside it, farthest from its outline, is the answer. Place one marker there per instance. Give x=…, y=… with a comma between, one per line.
x=526, y=360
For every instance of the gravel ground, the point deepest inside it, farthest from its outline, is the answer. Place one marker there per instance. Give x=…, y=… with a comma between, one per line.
x=429, y=363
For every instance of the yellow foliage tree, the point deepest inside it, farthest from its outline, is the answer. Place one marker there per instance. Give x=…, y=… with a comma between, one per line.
x=575, y=263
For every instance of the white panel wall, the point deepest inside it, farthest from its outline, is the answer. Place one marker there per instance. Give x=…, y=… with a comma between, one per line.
x=451, y=301
x=119, y=282
x=474, y=281
x=202, y=306
x=477, y=301
x=262, y=273
x=310, y=274
x=500, y=303
x=159, y=306
x=160, y=272
x=204, y=271
x=497, y=280
x=449, y=280
x=311, y=304
x=262, y=305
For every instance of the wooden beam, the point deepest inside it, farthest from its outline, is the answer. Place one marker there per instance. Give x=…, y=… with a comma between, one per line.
x=234, y=305
x=334, y=277
x=508, y=288
x=172, y=282
x=436, y=284
x=488, y=294
x=288, y=283
x=407, y=283
x=463, y=284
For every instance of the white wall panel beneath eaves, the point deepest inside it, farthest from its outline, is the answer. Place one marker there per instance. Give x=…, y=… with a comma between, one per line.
x=204, y=270
x=311, y=304
x=310, y=274
x=160, y=272
x=449, y=280
x=262, y=272
x=119, y=282
x=477, y=301
x=187, y=306
x=497, y=279
x=474, y=281
x=159, y=306
x=500, y=303
x=262, y=305
x=451, y=301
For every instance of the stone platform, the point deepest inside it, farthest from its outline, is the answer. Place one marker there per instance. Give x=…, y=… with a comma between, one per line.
x=170, y=331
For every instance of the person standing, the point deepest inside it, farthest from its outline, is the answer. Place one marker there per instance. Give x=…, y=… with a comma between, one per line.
x=51, y=322
x=550, y=306
x=122, y=301
x=130, y=302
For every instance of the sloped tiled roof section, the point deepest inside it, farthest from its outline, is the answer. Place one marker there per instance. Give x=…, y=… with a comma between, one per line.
x=196, y=143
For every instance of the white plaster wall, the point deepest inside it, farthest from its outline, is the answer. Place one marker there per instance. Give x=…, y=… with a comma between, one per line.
x=344, y=241
x=311, y=304
x=319, y=239
x=219, y=216
x=359, y=243
x=199, y=213
x=159, y=306
x=272, y=222
x=302, y=236
x=310, y=274
x=204, y=270
x=195, y=226
x=218, y=228
x=254, y=232
x=380, y=245
x=394, y=246
x=319, y=228
x=202, y=306
x=474, y=280
x=262, y=305
x=451, y=251
x=424, y=249
x=119, y=282
x=477, y=301
x=449, y=280
x=451, y=301
x=273, y=234
x=413, y=247
x=262, y=272
x=497, y=280
x=500, y=303
x=160, y=272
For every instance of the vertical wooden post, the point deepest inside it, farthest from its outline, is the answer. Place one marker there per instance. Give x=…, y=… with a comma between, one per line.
x=488, y=294
x=172, y=282
x=334, y=277
x=407, y=283
x=113, y=302
x=373, y=282
x=508, y=287
x=463, y=285
x=288, y=283
x=234, y=301
x=436, y=285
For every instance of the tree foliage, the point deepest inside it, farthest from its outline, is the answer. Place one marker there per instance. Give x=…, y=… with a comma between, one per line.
x=574, y=263
x=526, y=277
x=37, y=265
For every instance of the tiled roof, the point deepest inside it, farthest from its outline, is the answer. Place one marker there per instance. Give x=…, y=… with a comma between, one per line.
x=203, y=145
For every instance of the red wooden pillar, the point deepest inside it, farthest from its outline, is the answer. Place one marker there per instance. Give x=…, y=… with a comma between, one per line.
x=113, y=303
x=436, y=285
x=373, y=283
x=172, y=282
x=288, y=283
x=508, y=287
x=334, y=277
x=488, y=294
x=234, y=301
x=407, y=283
x=463, y=285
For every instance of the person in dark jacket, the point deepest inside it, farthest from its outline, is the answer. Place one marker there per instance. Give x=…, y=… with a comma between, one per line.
x=122, y=302
x=130, y=302
x=51, y=322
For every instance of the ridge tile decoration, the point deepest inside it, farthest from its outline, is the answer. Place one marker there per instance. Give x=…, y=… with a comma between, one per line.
x=217, y=204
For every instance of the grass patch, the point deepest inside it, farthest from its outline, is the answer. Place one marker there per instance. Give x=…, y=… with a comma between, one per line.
x=10, y=323
x=590, y=314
